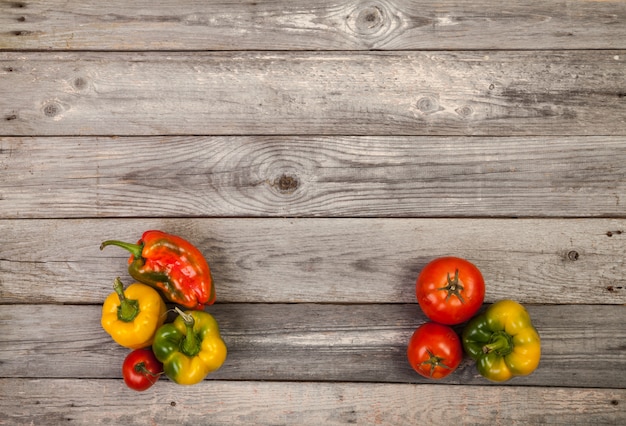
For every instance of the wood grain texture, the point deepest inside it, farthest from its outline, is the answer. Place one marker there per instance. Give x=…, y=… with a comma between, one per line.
x=492, y=93
x=312, y=176
x=319, y=153
x=325, y=260
x=242, y=403
x=311, y=25
x=582, y=346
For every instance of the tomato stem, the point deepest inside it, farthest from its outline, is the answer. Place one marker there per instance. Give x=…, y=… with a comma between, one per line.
x=434, y=361
x=454, y=287
x=140, y=367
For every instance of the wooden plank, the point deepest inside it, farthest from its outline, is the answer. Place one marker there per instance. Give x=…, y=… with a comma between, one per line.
x=325, y=260
x=306, y=25
x=331, y=93
x=582, y=345
x=312, y=176
x=97, y=402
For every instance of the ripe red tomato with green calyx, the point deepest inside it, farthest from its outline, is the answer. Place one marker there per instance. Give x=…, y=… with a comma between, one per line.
x=141, y=369
x=450, y=290
x=434, y=350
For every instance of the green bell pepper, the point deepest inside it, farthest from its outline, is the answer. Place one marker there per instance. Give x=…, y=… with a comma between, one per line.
x=190, y=347
x=502, y=341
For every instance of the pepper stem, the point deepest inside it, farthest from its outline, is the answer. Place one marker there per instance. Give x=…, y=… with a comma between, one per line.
x=190, y=345
x=128, y=308
x=500, y=343
x=134, y=249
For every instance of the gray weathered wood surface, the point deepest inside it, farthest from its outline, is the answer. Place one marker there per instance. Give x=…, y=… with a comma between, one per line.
x=311, y=25
x=307, y=403
x=319, y=342
x=326, y=260
x=313, y=176
x=319, y=153
x=331, y=93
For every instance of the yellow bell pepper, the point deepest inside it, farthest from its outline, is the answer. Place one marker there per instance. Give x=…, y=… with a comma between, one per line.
x=132, y=316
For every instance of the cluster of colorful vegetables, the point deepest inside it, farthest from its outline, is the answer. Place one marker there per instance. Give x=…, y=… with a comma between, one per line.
x=502, y=340
x=185, y=350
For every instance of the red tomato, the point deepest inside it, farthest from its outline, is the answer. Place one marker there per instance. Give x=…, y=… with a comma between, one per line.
x=450, y=290
x=141, y=369
x=434, y=350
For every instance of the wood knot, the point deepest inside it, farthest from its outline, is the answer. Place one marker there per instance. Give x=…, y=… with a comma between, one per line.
x=573, y=255
x=369, y=19
x=79, y=83
x=52, y=109
x=428, y=105
x=286, y=184
x=464, y=111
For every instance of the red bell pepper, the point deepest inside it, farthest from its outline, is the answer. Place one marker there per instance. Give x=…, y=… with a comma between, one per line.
x=170, y=264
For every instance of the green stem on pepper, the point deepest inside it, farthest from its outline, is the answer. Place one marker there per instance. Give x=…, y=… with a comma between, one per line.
x=134, y=249
x=500, y=343
x=129, y=308
x=190, y=345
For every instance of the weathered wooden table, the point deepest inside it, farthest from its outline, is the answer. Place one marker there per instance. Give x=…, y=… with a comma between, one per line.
x=319, y=153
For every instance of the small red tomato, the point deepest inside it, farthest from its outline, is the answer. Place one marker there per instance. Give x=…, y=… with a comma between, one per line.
x=450, y=290
x=434, y=350
x=141, y=369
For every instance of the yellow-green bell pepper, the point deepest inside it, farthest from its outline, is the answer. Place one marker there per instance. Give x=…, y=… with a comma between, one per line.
x=190, y=348
x=503, y=341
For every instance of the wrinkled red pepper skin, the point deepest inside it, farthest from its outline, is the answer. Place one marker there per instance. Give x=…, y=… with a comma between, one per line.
x=172, y=265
